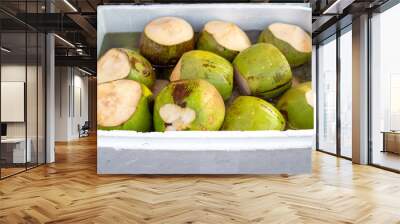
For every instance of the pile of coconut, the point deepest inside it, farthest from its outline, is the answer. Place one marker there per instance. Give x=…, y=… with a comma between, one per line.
x=218, y=80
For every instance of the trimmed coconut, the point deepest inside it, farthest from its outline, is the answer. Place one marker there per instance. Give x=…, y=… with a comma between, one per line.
x=223, y=38
x=165, y=39
x=123, y=105
x=248, y=113
x=119, y=63
x=297, y=104
x=206, y=65
x=262, y=70
x=292, y=40
x=189, y=105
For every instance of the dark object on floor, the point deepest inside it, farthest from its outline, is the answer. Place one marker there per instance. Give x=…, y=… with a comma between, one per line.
x=84, y=130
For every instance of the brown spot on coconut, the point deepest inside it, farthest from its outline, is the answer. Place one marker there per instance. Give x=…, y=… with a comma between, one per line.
x=165, y=39
x=292, y=40
x=180, y=92
x=223, y=38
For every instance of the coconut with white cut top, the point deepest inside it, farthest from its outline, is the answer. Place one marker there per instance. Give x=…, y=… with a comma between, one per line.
x=165, y=39
x=120, y=63
x=292, y=40
x=223, y=38
x=123, y=105
x=297, y=104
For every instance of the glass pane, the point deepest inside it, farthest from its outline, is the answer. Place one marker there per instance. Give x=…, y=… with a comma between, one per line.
x=327, y=96
x=41, y=98
x=13, y=87
x=32, y=87
x=386, y=89
x=346, y=93
x=31, y=99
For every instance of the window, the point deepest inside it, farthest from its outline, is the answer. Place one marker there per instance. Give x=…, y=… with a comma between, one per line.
x=327, y=96
x=385, y=89
x=346, y=92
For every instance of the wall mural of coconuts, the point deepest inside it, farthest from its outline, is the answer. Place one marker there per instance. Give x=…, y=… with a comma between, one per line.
x=213, y=80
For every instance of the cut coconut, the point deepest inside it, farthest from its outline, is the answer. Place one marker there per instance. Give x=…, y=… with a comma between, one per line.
x=223, y=38
x=293, y=41
x=189, y=105
x=177, y=118
x=198, y=64
x=123, y=105
x=113, y=65
x=262, y=70
x=169, y=31
x=310, y=98
x=294, y=35
x=298, y=106
x=165, y=39
x=117, y=101
x=119, y=63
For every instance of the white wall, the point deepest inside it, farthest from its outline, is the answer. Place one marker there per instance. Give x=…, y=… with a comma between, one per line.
x=71, y=87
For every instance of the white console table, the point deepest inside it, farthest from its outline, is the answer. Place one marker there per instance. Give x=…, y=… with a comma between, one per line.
x=18, y=144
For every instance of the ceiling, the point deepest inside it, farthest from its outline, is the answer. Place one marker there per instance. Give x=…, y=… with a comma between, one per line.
x=74, y=21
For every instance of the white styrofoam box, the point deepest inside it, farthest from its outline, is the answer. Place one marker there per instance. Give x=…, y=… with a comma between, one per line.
x=249, y=16
x=204, y=152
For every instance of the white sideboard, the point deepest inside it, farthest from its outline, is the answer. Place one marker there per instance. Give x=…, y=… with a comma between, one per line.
x=18, y=145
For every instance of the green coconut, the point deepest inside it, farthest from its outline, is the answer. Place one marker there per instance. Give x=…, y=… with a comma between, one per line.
x=297, y=104
x=206, y=65
x=262, y=70
x=119, y=63
x=249, y=113
x=293, y=41
x=189, y=105
x=223, y=38
x=165, y=39
x=123, y=105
